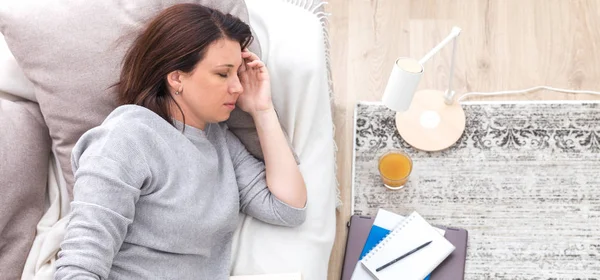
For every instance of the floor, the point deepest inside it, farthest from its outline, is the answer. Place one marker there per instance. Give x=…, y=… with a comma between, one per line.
x=504, y=45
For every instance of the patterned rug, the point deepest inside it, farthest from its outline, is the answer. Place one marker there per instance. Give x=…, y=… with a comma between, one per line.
x=524, y=180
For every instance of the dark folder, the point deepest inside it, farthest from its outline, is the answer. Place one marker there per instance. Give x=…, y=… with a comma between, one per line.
x=453, y=267
x=358, y=231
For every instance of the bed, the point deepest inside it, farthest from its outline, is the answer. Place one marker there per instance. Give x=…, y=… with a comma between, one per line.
x=292, y=40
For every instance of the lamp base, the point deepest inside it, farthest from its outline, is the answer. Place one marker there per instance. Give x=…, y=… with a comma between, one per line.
x=430, y=124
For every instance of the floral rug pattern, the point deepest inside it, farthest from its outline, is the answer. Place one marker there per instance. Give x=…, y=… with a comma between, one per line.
x=524, y=180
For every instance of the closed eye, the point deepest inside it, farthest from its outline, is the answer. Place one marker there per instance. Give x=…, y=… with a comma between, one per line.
x=222, y=75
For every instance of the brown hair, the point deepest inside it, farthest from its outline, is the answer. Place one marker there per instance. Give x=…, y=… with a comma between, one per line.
x=176, y=39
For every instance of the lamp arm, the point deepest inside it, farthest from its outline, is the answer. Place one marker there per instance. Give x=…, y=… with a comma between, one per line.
x=449, y=95
x=453, y=34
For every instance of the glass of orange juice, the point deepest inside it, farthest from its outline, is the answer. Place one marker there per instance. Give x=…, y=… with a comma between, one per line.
x=395, y=168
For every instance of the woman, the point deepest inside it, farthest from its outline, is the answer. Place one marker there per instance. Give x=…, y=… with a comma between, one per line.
x=160, y=183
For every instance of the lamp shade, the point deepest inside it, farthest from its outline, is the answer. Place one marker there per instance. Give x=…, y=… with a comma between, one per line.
x=402, y=84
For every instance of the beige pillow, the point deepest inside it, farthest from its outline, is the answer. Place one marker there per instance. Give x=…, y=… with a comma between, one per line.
x=24, y=155
x=69, y=50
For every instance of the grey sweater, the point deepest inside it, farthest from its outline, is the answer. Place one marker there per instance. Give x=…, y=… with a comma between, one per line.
x=151, y=202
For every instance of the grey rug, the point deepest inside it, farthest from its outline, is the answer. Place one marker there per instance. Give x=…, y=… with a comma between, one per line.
x=524, y=180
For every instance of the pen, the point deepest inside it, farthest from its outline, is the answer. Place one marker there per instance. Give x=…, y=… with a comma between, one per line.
x=403, y=256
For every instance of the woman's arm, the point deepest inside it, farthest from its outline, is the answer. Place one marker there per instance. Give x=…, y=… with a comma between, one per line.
x=103, y=208
x=283, y=175
x=108, y=176
x=256, y=199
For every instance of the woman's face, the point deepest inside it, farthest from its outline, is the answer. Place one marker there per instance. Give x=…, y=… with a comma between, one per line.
x=208, y=94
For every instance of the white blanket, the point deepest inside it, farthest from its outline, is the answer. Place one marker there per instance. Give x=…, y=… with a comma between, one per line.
x=50, y=229
x=292, y=41
x=12, y=78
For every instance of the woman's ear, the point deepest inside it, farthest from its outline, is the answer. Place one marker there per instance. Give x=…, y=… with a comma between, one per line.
x=174, y=80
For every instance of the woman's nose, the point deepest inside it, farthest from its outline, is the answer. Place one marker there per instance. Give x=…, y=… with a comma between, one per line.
x=236, y=86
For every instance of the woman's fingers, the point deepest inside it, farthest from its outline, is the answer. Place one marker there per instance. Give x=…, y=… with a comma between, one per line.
x=250, y=55
x=253, y=61
x=256, y=63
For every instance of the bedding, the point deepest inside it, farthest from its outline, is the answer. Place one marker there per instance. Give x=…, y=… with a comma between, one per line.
x=24, y=154
x=12, y=78
x=293, y=46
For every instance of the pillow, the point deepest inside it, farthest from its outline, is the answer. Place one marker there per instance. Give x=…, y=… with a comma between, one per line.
x=70, y=51
x=24, y=155
x=10, y=97
x=12, y=79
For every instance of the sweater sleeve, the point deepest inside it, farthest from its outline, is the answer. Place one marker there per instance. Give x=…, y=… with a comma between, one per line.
x=109, y=173
x=255, y=198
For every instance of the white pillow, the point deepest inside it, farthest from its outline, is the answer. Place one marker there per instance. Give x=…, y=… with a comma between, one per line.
x=292, y=42
x=12, y=79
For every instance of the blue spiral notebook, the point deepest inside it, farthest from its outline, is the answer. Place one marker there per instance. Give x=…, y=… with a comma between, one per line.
x=384, y=223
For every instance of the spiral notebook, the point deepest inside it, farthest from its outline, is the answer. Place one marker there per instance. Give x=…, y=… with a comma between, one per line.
x=411, y=233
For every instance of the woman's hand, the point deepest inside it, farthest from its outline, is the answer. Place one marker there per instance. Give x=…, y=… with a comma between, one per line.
x=257, y=86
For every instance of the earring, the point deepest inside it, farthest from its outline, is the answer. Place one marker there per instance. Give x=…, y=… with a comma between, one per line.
x=177, y=93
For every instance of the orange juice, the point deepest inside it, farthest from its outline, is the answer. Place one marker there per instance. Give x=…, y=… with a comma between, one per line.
x=395, y=167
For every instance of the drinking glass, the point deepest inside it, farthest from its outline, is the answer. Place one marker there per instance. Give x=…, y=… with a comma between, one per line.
x=395, y=168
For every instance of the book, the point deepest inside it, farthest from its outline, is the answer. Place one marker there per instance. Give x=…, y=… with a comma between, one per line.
x=385, y=222
x=283, y=276
x=408, y=235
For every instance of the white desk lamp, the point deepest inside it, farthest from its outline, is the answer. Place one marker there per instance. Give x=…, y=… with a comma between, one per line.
x=431, y=120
